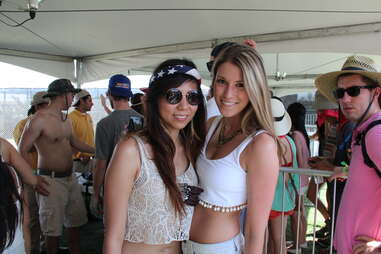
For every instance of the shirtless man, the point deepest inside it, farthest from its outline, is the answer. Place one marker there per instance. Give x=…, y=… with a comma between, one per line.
x=50, y=131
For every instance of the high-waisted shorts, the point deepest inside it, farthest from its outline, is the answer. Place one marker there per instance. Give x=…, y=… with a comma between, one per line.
x=232, y=246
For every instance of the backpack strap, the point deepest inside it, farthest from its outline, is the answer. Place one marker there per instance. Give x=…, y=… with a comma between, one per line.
x=361, y=139
x=345, y=143
x=294, y=178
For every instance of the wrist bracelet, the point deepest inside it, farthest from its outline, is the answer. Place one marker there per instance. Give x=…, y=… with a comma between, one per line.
x=345, y=167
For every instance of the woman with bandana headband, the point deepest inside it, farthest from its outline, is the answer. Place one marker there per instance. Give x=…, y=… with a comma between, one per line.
x=151, y=177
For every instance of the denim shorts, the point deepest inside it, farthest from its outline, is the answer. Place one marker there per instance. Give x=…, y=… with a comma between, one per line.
x=232, y=246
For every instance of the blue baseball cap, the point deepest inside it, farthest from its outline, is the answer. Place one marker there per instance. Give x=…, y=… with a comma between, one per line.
x=120, y=85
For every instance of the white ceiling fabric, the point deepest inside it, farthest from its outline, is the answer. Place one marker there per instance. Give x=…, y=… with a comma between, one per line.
x=130, y=37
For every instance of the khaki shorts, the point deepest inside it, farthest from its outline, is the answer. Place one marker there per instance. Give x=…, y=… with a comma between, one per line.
x=63, y=207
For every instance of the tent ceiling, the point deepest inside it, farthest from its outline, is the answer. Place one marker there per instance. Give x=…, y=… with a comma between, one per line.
x=301, y=38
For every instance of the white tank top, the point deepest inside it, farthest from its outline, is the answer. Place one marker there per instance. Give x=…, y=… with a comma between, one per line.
x=223, y=180
x=151, y=217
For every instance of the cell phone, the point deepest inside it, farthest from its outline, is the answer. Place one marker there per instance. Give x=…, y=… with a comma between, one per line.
x=135, y=123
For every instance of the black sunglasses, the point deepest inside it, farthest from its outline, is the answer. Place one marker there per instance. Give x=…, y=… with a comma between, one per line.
x=209, y=65
x=174, y=96
x=352, y=91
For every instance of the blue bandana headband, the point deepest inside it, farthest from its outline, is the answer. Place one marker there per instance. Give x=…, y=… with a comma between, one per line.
x=170, y=70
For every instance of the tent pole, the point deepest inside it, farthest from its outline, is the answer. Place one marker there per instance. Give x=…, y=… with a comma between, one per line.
x=78, y=67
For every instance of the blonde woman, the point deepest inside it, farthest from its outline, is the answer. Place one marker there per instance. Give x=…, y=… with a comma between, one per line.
x=238, y=166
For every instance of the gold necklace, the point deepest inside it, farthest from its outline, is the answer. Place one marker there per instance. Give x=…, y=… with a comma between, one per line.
x=223, y=140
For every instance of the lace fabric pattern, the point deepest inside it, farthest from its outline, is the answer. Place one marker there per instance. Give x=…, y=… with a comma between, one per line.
x=151, y=216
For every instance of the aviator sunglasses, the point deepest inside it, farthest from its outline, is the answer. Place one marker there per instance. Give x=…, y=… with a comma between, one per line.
x=174, y=96
x=352, y=91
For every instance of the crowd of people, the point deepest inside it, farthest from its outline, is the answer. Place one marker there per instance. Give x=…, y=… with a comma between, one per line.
x=173, y=173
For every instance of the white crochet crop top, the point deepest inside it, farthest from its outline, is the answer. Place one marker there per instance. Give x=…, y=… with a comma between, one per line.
x=223, y=180
x=151, y=217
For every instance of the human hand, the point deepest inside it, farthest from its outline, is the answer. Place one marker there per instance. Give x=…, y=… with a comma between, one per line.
x=190, y=193
x=367, y=245
x=41, y=186
x=250, y=43
x=315, y=136
x=339, y=174
x=103, y=100
x=320, y=163
x=96, y=206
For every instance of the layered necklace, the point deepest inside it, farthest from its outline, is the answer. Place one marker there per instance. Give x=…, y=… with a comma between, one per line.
x=222, y=139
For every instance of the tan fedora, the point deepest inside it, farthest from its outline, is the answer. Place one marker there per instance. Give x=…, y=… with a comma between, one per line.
x=362, y=65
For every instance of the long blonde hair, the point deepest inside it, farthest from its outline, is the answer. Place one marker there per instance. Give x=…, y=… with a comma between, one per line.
x=257, y=114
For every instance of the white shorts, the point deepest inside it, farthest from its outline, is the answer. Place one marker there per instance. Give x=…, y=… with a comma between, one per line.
x=232, y=246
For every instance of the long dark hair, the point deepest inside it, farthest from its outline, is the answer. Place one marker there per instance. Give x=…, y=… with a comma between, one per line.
x=31, y=110
x=9, y=213
x=297, y=113
x=192, y=136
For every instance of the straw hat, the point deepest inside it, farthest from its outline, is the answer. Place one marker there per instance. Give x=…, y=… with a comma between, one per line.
x=282, y=120
x=362, y=65
x=322, y=103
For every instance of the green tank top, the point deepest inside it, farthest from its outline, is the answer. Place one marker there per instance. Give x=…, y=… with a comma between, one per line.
x=284, y=199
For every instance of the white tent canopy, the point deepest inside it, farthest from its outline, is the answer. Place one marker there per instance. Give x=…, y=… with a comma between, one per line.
x=300, y=38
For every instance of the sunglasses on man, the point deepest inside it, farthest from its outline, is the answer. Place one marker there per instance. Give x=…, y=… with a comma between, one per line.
x=352, y=91
x=174, y=96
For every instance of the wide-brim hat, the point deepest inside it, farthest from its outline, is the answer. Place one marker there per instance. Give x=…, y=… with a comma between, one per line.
x=81, y=94
x=38, y=98
x=322, y=102
x=60, y=86
x=282, y=120
x=365, y=66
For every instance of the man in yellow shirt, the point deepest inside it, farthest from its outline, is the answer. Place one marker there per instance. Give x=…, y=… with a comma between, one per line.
x=38, y=103
x=83, y=130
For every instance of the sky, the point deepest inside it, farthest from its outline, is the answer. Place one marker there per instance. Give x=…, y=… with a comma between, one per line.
x=27, y=78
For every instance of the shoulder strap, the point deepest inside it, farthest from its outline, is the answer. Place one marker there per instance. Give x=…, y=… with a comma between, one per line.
x=367, y=160
x=142, y=150
x=345, y=142
x=293, y=150
x=294, y=178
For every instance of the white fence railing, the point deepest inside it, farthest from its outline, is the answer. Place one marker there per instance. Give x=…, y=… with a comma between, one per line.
x=311, y=173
